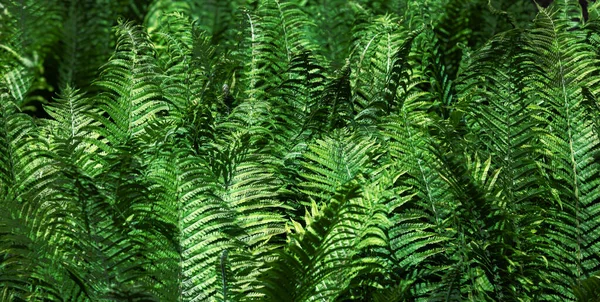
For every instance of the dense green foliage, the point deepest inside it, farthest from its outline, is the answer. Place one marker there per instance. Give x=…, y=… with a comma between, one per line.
x=309, y=150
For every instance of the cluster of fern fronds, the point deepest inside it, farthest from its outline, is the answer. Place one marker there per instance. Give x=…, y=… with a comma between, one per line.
x=307, y=150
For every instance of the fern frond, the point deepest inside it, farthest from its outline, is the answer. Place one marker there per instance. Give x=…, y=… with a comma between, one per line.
x=32, y=26
x=227, y=201
x=247, y=184
x=383, y=75
x=296, y=113
x=421, y=230
x=130, y=80
x=22, y=151
x=334, y=21
x=502, y=117
x=202, y=223
x=317, y=254
x=29, y=263
x=288, y=28
x=572, y=147
x=87, y=42
x=332, y=163
x=23, y=79
x=173, y=41
x=589, y=289
x=69, y=130
x=34, y=222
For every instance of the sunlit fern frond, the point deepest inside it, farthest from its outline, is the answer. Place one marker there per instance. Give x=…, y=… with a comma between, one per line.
x=129, y=81
x=289, y=27
x=31, y=261
x=22, y=77
x=33, y=221
x=331, y=163
x=318, y=254
x=28, y=31
x=202, y=222
x=69, y=130
x=475, y=269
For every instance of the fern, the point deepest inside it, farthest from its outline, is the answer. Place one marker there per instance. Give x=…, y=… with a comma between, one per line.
x=383, y=53
x=570, y=141
x=502, y=117
x=86, y=33
x=130, y=80
x=315, y=254
x=286, y=150
x=420, y=231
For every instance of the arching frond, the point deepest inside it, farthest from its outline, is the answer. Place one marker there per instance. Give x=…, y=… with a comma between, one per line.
x=317, y=254
x=130, y=80
x=332, y=163
x=572, y=146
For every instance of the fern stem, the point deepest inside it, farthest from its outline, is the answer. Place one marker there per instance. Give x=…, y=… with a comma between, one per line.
x=223, y=275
